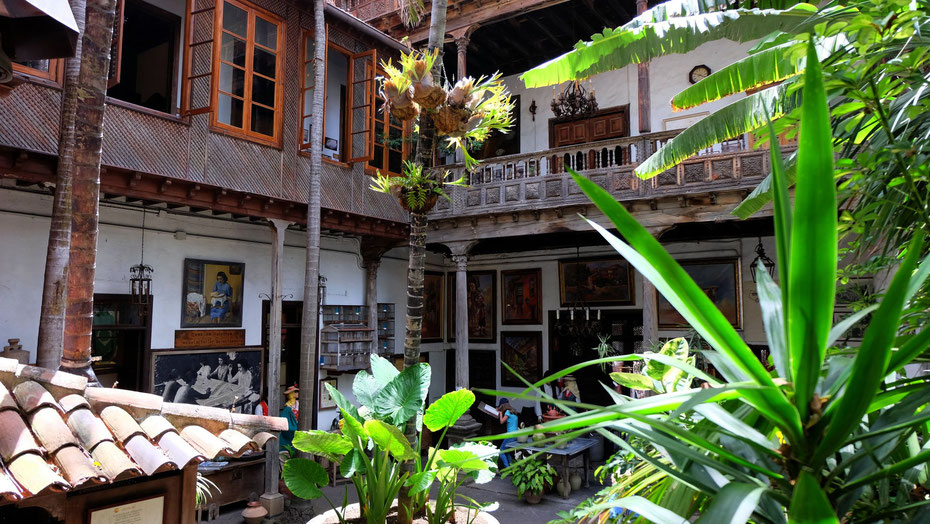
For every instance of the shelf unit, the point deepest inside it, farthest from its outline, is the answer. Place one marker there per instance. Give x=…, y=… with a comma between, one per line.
x=345, y=315
x=345, y=347
x=386, y=345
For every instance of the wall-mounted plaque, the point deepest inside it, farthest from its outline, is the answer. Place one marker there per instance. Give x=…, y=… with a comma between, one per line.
x=208, y=338
x=145, y=511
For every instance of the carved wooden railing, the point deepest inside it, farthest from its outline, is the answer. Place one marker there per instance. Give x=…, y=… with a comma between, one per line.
x=539, y=180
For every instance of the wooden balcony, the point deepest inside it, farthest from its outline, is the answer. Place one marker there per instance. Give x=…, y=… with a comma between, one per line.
x=537, y=181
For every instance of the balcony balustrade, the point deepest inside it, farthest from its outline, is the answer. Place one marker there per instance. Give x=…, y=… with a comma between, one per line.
x=540, y=181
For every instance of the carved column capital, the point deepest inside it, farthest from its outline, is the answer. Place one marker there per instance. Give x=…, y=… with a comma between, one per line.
x=461, y=262
x=461, y=44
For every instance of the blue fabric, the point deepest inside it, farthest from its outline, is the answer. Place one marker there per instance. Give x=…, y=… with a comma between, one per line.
x=506, y=459
x=287, y=437
x=512, y=421
x=223, y=289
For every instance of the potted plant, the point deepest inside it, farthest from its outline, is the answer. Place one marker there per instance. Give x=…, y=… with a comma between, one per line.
x=530, y=476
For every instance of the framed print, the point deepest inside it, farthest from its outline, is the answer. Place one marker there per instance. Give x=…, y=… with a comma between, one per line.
x=432, y=307
x=225, y=378
x=521, y=296
x=150, y=510
x=603, y=281
x=482, y=306
x=211, y=293
x=522, y=351
x=326, y=401
x=720, y=280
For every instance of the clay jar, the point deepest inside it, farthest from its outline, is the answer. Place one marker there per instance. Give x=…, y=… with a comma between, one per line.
x=575, y=481
x=254, y=513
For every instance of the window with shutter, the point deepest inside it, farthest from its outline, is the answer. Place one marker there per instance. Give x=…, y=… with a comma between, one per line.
x=362, y=96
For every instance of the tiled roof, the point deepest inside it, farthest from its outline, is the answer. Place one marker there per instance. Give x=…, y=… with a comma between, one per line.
x=57, y=434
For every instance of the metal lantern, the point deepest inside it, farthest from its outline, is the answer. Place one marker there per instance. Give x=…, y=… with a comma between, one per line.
x=140, y=276
x=767, y=262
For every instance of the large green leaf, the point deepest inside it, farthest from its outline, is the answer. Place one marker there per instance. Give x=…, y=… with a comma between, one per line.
x=763, y=193
x=383, y=369
x=644, y=507
x=773, y=319
x=343, y=403
x=421, y=481
x=322, y=443
x=466, y=461
x=353, y=463
x=366, y=388
x=809, y=504
x=404, y=395
x=633, y=381
x=661, y=31
x=390, y=438
x=812, y=260
x=448, y=409
x=733, y=504
x=656, y=265
x=733, y=120
x=677, y=347
x=304, y=477
x=352, y=428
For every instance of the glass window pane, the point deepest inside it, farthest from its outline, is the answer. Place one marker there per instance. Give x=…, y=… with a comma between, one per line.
x=379, y=132
x=262, y=120
x=264, y=62
x=233, y=50
x=306, y=130
x=308, y=102
x=308, y=74
x=235, y=20
x=39, y=65
x=266, y=33
x=232, y=80
x=394, y=161
x=378, y=160
x=262, y=90
x=309, y=46
x=229, y=110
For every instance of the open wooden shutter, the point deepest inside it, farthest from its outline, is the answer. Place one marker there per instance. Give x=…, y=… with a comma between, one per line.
x=362, y=68
x=116, y=45
x=197, y=89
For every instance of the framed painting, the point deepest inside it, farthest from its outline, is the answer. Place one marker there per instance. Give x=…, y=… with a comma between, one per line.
x=432, y=307
x=326, y=401
x=482, y=306
x=720, y=280
x=522, y=351
x=225, y=378
x=603, y=281
x=521, y=296
x=211, y=293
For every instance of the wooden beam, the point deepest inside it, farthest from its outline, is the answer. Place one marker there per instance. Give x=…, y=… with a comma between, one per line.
x=471, y=15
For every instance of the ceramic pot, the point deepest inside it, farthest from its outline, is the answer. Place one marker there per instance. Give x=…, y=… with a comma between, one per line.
x=563, y=488
x=532, y=498
x=575, y=481
x=254, y=513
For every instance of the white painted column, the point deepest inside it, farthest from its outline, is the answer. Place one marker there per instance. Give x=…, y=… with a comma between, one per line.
x=461, y=320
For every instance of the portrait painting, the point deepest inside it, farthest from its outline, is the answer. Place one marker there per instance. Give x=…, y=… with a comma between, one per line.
x=521, y=296
x=223, y=378
x=432, y=307
x=482, y=305
x=212, y=293
x=522, y=351
x=720, y=280
x=604, y=281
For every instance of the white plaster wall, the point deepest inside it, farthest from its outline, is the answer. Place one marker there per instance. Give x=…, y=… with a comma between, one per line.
x=337, y=75
x=668, y=76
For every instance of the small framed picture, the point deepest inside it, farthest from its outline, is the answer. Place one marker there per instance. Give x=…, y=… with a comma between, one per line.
x=326, y=401
x=521, y=297
x=522, y=351
x=212, y=294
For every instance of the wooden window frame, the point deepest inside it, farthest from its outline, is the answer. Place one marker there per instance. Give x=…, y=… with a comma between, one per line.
x=245, y=131
x=55, y=73
x=405, y=132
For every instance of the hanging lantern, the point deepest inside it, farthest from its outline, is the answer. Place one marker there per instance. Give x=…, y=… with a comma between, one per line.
x=140, y=276
x=767, y=262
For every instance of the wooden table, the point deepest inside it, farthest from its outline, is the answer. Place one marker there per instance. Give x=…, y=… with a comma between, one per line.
x=238, y=480
x=575, y=447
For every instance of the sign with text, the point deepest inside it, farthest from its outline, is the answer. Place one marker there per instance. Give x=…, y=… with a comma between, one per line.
x=147, y=511
x=208, y=338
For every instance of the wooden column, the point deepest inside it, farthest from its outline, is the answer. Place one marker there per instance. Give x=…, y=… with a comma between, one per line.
x=461, y=44
x=642, y=70
x=650, y=318
x=371, y=297
x=271, y=499
x=461, y=321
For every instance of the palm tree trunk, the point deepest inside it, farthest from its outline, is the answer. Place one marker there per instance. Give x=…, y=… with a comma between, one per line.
x=88, y=128
x=309, y=362
x=55, y=287
x=416, y=263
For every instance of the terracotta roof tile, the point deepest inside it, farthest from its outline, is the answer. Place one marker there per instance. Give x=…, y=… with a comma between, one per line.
x=34, y=474
x=114, y=463
x=15, y=439
x=238, y=442
x=77, y=467
x=156, y=426
x=178, y=449
x=93, y=435
x=31, y=396
x=147, y=456
x=89, y=429
x=6, y=399
x=51, y=430
x=120, y=423
x=205, y=442
x=71, y=402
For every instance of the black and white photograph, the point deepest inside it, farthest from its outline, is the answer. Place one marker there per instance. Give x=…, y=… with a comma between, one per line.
x=228, y=379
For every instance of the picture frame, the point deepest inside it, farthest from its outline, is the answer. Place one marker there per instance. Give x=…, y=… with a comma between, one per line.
x=433, y=295
x=596, y=281
x=212, y=385
x=211, y=293
x=720, y=278
x=482, y=306
x=521, y=296
x=145, y=510
x=326, y=401
x=522, y=351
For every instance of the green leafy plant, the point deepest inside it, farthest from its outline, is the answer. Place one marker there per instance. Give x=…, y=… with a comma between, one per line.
x=658, y=376
x=203, y=490
x=530, y=475
x=370, y=447
x=819, y=437
x=415, y=190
